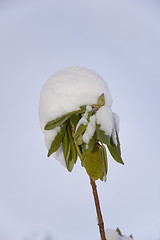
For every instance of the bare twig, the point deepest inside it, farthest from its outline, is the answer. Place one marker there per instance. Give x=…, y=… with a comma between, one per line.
x=98, y=209
x=95, y=193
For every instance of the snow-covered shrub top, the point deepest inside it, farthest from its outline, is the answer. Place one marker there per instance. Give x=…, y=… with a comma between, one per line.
x=69, y=89
x=80, y=96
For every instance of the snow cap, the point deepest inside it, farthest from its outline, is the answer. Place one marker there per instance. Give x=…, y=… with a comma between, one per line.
x=69, y=89
x=65, y=92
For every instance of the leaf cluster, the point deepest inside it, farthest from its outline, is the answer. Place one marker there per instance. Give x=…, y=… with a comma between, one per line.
x=93, y=155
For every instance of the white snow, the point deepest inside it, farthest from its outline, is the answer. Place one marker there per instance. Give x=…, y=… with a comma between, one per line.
x=59, y=156
x=65, y=92
x=115, y=127
x=114, y=137
x=104, y=117
x=50, y=136
x=90, y=129
x=116, y=121
x=69, y=89
x=112, y=234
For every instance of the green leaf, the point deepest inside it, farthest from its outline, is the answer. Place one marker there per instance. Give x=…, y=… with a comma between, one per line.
x=83, y=107
x=82, y=127
x=93, y=163
x=57, y=122
x=89, y=115
x=80, y=130
x=105, y=162
x=65, y=145
x=115, y=152
x=72, y=145
x=102, y=137
x=131, y=236
x=57, y=141
x=70, y=163
x=67, y=151
x=101, y=100
x=79, y=140
x=75, y=119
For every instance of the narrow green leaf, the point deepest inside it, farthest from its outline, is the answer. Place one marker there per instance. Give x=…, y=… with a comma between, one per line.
x=79, y=139
x=82, y=127
x=57, y=122
x=65, y=145
x=75, y=119
x=57, y=141
x=93, y=163
x=131, y=236
x=72, y=145
x=67, y=152
x=102, y=137
x=83, y=107
x=80, y=130
x=101, y=100
x=68, y=156
x=70, y=163
x=115, y=152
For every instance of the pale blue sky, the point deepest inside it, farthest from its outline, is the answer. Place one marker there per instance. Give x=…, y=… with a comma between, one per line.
x=120, y=40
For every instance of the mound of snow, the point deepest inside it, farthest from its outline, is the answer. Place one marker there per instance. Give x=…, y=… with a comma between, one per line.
x=65, y=92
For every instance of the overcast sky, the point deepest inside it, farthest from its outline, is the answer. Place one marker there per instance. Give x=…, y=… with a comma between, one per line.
x=120, y=40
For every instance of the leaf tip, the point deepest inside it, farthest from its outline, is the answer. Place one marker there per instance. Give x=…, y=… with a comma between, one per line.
x=45, y=128
x=122, y=162
x=48, y=155
x=101, y=100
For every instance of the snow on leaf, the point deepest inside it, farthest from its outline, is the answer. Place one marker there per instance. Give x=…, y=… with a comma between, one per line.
x=89, y=147
x=112, y=234
x=90, y=130
x=118, y=143
x=104, y=118
x=102, y=137
x=119, y=231
x=105, y=162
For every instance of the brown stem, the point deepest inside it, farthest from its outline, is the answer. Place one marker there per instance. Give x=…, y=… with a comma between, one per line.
x=98, y=209
x=95, y=193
